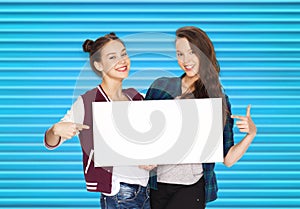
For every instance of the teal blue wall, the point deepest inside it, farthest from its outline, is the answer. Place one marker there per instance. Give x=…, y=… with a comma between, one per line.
x=258, y=47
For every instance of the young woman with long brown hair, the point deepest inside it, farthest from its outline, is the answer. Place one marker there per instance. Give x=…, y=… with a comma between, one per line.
x=193, y=185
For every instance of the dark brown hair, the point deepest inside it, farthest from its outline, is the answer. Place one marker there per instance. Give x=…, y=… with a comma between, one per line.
x=208, y=85
x=94, y=48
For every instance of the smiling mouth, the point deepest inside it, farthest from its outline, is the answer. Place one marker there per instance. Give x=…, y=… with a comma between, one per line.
x=188, y=67
x=121, y=69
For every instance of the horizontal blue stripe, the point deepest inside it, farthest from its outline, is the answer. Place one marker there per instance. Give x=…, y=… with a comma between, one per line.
x=42, y=72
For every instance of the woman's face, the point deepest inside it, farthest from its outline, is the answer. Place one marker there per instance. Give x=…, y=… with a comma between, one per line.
x=186, y=57
x=115, y=62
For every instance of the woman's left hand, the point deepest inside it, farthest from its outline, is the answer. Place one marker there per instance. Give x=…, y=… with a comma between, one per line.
x=245, y=124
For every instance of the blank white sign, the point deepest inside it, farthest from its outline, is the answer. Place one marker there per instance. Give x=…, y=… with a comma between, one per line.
x=157, y=132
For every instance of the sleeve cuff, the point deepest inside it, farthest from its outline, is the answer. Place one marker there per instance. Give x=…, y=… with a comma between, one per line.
x=51, y=146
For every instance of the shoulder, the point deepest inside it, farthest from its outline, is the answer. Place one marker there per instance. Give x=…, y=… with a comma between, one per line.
x=90, y=92
x=164, y=81
x=89, y=95
x=164, y=88
x=165, y=84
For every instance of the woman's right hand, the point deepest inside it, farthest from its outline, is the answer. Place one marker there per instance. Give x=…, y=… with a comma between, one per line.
x=67, y=130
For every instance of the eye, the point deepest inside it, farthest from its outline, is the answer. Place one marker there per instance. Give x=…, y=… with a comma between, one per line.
x=179, y=54
x=192, y=52
x=112, y=57
x=124, y=54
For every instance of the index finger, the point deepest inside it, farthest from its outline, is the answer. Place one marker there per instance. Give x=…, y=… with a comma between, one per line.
x=238, y=117
x=80, y=127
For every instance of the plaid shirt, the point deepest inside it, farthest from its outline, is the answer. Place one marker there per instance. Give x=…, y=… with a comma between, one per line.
x=169, y=88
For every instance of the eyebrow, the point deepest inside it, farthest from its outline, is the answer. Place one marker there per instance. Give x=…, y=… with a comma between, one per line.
x=187, y=50
x=111, y=53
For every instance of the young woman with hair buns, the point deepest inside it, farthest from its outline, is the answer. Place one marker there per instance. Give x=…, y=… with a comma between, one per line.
x=120, y=186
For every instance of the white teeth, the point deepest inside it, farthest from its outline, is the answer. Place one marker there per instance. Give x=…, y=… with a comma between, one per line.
x=121, y=68
x=188, y=66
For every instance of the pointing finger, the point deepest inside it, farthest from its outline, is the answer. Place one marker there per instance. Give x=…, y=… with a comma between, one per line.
x=80, y=127
x=238, y=117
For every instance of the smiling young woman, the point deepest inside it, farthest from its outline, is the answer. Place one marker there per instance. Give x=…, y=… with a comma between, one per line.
x=193, y=185
x=120, y=186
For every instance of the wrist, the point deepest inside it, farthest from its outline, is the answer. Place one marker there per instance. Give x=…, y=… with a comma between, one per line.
x=54, y=131
x=51, y=142
x=252, y=134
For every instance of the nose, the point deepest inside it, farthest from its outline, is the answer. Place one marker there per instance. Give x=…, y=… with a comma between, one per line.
x=122, y=61
x=186, y=58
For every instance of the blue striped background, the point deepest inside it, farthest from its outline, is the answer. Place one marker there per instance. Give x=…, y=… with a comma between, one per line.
x=258, y=47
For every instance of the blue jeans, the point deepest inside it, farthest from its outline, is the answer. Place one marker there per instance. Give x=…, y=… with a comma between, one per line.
x=130, y=196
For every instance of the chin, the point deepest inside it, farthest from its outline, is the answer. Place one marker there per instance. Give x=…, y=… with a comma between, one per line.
x=123, y=76
x=190, y=74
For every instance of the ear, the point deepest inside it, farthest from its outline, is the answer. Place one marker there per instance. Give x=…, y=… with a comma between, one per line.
x=98, y=66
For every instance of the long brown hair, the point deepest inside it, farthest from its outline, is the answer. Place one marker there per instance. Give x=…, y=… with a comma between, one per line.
x=94, y=48
x=208, y=85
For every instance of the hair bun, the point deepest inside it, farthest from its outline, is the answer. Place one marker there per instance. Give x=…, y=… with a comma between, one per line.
x=110, y=35
x=87, y=45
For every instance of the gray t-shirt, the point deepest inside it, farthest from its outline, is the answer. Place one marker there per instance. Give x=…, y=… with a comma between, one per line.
x=185, y=174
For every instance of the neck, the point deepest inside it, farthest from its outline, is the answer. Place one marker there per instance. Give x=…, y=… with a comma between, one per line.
x=113, y=88
x=187, y=82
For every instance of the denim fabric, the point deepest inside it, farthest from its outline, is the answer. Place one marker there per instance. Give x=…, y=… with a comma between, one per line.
x=130, y=196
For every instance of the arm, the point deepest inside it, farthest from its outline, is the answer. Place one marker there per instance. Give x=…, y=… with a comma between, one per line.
x=67, y=128
x=52, y=140
x=245, y=125
x=62, y=131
